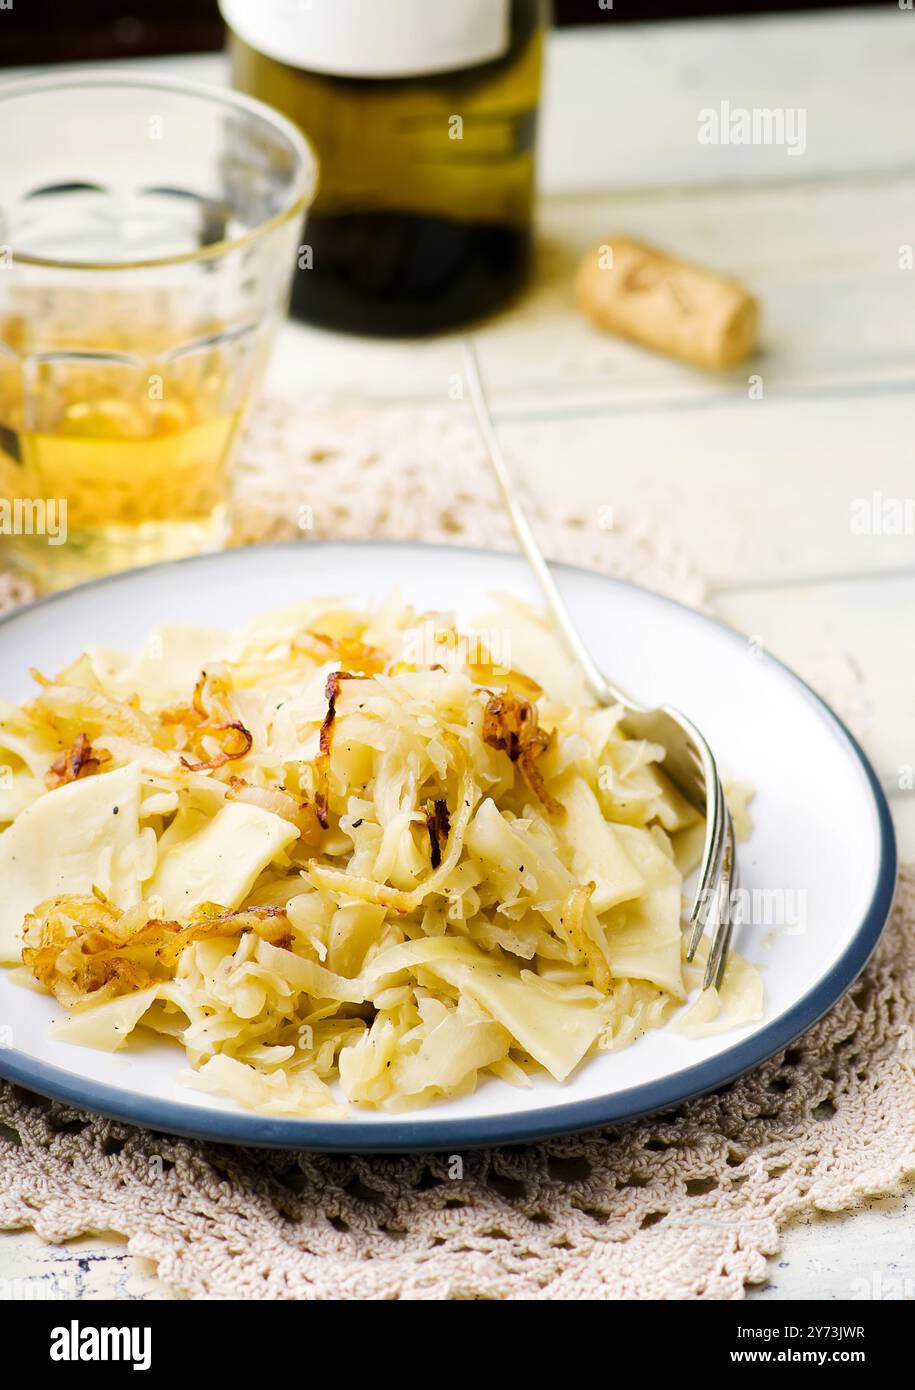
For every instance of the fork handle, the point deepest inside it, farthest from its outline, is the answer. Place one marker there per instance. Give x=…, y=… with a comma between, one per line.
x=603, y=692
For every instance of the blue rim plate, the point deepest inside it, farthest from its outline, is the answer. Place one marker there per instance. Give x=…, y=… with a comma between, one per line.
x=821, y=862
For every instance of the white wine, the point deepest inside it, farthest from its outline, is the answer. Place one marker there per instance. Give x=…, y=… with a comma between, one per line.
x=423, y=117
x=137, y=457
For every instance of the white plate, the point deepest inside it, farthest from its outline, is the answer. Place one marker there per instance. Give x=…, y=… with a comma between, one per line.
x=822, y=854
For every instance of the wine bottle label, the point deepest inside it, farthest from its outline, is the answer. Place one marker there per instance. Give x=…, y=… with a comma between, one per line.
x=373, y=38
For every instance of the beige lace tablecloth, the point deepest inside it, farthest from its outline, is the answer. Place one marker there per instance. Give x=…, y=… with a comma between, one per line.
x=687, y=1204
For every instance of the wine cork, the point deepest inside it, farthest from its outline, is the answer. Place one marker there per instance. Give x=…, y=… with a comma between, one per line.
x=667, y=304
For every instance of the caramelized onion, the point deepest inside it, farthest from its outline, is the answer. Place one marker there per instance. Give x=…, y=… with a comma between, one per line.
x=77, y=761
x=209, y=715
x=356, y=656
x=242, y=739
x=84, y=949
x=325, y=742
x=510, y=725
x=438, y=823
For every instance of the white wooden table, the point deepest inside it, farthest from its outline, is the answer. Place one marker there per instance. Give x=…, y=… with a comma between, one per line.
x=760, y=493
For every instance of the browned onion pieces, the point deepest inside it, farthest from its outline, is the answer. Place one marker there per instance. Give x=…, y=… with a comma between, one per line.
x=510, y=724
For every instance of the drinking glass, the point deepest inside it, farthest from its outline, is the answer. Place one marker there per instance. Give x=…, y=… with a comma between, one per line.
x=148, y=234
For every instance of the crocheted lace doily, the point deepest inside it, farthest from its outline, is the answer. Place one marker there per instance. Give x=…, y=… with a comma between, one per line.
x=685, y=1204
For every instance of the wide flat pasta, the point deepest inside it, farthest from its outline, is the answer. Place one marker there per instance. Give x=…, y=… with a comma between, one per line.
x=71, y=840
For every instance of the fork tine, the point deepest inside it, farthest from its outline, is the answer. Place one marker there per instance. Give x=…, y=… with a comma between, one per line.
x=712, y=855
x=713, y=814
x=718, y=953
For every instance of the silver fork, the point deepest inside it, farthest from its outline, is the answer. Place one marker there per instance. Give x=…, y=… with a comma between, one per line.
x=688, y=760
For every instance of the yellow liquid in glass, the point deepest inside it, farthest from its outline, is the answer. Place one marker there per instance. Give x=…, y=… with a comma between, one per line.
x=127, y=479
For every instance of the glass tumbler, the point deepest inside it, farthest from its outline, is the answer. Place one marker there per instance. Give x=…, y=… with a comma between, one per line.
x=148, y=236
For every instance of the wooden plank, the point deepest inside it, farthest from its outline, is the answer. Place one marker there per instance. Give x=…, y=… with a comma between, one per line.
x=621, y=107
x=756, y=492
x=852, y=640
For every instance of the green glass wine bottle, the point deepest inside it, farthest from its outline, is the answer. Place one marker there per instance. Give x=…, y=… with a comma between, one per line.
x=423, y=115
